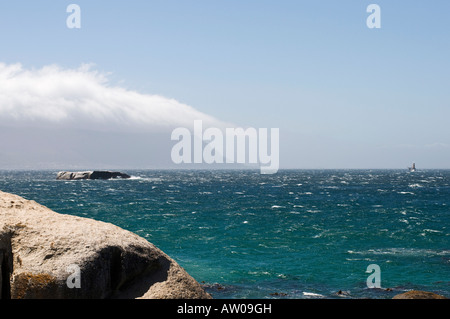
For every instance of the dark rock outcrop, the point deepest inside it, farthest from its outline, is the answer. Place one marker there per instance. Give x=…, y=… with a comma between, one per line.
x=90, y=175
x=417, y=294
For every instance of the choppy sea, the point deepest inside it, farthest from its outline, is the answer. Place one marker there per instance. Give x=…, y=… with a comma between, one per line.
x=295, y=234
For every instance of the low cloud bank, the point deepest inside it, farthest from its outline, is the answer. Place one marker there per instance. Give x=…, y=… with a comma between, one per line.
x=84, y=98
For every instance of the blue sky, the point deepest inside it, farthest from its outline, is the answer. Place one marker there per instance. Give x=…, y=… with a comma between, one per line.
x=343, y=95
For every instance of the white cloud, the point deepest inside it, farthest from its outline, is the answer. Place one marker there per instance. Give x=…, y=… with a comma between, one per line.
x=84, y=98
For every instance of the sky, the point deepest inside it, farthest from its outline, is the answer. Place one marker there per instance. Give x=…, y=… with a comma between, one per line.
x=108, y=94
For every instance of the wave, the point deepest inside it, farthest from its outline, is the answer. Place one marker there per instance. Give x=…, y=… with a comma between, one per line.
x=312, y=294
x=402, y=252
x=145, y=179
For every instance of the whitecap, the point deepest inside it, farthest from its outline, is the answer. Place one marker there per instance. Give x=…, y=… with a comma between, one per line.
x=432, y=231
x=401, y=252
x=312, y=294
x=134, y=177
x=146, y=179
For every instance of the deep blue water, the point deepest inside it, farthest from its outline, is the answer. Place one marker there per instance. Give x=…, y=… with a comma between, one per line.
x=295, y=234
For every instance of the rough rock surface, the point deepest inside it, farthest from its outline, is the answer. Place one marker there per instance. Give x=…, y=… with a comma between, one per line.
x=90, y=175
x=41, y=250
x=417, y=294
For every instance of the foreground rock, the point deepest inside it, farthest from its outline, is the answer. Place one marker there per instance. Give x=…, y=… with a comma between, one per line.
x=90, y=175
x=42, y=253
x=417, y=294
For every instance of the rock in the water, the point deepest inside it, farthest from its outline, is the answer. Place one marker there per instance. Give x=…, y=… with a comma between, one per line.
x=90, y=175
x=44, y=254
x=417, y=294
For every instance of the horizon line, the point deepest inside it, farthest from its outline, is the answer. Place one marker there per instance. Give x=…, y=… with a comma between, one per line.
x=109, y=168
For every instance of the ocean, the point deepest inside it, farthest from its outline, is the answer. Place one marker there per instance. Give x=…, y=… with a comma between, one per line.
x=295, y=234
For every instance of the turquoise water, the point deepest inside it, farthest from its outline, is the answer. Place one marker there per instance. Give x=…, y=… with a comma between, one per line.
x=295, y=234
